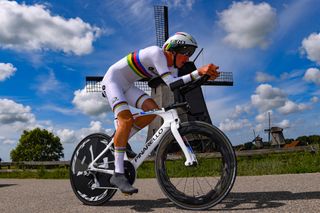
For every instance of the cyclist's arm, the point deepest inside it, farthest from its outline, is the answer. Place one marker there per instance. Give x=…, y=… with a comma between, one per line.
x=160, y=63
x=174, y=82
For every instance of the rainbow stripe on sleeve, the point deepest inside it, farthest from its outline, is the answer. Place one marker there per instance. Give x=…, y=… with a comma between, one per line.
x=136, y=65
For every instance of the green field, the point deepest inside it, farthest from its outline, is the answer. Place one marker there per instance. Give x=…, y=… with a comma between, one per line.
x=270, y=164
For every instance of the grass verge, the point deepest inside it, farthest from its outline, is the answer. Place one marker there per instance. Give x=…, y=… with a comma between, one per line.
x=271, y=164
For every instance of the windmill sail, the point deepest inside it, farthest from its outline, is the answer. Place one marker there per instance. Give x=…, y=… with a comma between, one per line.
x=161, y=23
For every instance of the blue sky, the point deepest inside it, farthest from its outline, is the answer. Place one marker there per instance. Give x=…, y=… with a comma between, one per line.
x=48, y=47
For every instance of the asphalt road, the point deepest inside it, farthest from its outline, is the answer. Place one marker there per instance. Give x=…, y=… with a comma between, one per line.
x=273, y=193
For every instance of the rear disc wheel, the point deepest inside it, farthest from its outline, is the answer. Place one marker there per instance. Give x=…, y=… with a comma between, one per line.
x=92, y=188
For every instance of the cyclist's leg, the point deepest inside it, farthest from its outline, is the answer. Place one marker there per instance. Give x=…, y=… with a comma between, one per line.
x=147, y=105
x=140, y=100
x=114, y=92
x=125, y=121
x=122, y=112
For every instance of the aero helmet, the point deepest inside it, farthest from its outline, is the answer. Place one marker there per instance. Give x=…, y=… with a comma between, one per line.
x=182, y=43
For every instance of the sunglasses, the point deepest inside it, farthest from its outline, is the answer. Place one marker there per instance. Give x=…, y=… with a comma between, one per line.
x=186, y=50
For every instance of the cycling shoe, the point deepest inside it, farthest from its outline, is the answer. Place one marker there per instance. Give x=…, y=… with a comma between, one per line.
x=120, y=181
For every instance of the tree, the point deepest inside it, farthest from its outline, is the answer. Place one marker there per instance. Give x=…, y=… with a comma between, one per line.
x=37, y=145
x=312, y=139
x=289, y=140
x=248, y=145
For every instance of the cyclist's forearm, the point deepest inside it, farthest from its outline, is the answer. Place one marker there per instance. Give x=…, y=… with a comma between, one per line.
x=174, y=82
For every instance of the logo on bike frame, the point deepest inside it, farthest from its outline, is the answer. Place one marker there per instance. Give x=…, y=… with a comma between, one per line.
x=148, y=144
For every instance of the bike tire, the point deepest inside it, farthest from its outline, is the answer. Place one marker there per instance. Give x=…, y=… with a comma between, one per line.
x=81, y=158
x=216, y=164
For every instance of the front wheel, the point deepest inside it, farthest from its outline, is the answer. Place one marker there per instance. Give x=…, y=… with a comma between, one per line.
x=92, y=188
x=200, y=186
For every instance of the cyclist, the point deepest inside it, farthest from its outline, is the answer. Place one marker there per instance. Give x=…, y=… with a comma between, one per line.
x=118, y=87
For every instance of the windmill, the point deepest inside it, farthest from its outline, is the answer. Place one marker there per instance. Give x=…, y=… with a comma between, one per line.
x=276, y=133
x=160, y=92
x=163, y=95
x=257, y=140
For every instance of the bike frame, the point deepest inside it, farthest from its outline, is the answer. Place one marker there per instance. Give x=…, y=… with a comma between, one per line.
x=171, y=123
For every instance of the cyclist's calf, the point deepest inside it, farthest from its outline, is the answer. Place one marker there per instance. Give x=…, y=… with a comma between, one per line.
x=125, y=122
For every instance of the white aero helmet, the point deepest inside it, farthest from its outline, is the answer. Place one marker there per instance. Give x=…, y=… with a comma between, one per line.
x=182, y=43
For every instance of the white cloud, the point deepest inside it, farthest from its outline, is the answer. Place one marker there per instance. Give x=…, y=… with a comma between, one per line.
x=67, y=135
x=284, y=124
x=14, y=118
x=9, y=141
x=291, y=75
x=136, y=7
x=183, y=4
x=48, y=83
x=247, y=24
x=72, y=136
x=141, y=13
x=291, y=107
x=135, y=12
x=259, y=127
x=312, y=75
x=311, y=46
x=62, y=110
x=218, y=107
x=230, y=125
x=291, y=83
x=262, y=117
x=6, y=70
x=11, y=112
x=90, y=103
x=314, y=99
x=267, y=98
x=239, y=110
x=292, y=15
x=33, y=27
x=262, y=77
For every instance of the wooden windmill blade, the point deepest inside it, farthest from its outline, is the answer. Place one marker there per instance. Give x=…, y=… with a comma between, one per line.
x=161, y=24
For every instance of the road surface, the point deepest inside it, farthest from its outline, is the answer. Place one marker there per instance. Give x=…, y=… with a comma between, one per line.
x=271, y=193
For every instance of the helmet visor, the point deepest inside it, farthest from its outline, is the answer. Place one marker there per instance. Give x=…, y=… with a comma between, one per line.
x=186, y=50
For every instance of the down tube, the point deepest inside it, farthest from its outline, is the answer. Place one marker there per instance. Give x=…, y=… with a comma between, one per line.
x=149, y=146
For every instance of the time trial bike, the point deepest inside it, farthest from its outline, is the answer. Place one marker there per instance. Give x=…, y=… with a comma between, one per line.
x=195, y=163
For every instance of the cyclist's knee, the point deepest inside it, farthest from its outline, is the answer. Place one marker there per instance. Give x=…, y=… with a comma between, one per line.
x=149, y=104
x=125, y=119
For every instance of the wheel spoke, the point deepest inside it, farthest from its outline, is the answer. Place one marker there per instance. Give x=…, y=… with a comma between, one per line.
x=185, y=184
x=200, y=186
x=91, y=152
x=83, y=160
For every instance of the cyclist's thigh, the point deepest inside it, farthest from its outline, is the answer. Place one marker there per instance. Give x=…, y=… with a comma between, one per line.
x=113, y=90
x=136, y=97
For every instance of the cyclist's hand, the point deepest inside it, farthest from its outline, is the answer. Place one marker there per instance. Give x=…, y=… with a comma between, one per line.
x=209, y=69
